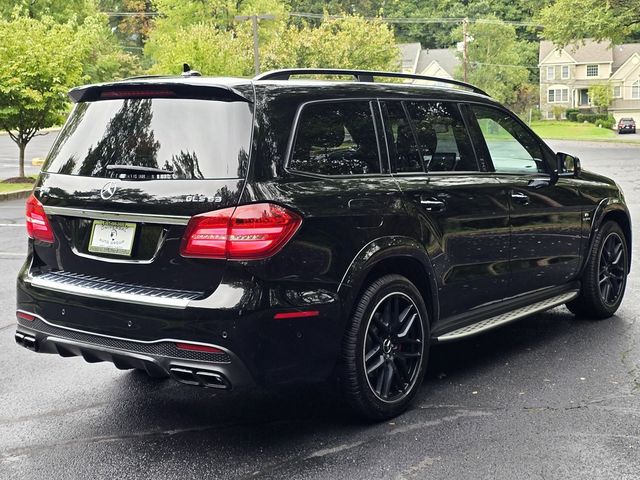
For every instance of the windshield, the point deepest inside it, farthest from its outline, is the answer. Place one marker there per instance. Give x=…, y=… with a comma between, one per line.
x=154, y=138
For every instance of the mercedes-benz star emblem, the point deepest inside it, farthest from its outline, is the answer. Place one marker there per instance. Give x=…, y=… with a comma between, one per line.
x=108, y=190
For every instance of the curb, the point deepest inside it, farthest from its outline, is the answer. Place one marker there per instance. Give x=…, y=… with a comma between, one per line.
x=18, y=194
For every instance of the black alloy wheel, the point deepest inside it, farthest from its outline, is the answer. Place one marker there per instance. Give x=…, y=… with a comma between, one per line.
x=605, y=275
x=385, y=348
x=393, y=347
x=612, y=269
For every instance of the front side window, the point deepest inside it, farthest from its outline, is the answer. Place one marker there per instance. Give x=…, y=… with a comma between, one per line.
x=592, y=70
x=565, y=72
x=635, y=90
x=617, y=91
x=442, y=137
x=512, y=148
x=336, y=138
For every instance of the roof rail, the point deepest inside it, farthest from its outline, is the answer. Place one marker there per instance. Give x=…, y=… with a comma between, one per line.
x=361, y=76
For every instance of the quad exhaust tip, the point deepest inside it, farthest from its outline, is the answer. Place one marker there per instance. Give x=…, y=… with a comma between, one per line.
x=202, y=378
x=27, y=341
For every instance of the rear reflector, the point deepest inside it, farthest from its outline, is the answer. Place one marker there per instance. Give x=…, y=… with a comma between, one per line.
x=302, y=314
x=247, y=232
x=25, y=316
x=193, y=347
x=38, y=226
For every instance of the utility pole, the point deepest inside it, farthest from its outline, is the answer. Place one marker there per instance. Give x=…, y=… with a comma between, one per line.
x=254, y=24
x=465, y=59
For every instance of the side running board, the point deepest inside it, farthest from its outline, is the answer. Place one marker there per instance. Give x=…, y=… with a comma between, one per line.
x=508, y=317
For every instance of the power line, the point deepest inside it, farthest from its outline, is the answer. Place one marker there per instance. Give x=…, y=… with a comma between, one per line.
x=394, y=20
x=424, y=20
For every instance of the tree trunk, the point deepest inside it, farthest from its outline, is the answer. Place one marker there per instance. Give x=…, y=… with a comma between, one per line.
x=22, y=147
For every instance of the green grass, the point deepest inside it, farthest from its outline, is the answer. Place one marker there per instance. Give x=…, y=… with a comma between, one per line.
x=14, y=187
x=563, y=130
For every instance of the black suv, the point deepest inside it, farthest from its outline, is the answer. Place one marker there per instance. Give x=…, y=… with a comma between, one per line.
x=233, y=232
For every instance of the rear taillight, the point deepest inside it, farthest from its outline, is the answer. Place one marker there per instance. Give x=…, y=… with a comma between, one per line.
x=247, y=232
x=38, y=226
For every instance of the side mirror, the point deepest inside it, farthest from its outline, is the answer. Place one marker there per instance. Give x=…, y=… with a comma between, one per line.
x=567, y=165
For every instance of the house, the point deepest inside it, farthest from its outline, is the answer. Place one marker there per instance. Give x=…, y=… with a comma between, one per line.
x=433, y=62
x=567, y=73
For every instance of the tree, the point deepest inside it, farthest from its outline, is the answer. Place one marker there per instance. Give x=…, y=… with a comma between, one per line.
x=568, y=21
x=351, y=42
x=60, y=10
x=497, y=60
x=38, y=64
x=601, y=96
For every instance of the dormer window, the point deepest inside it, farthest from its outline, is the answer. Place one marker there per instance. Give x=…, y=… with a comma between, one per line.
x=592, y=70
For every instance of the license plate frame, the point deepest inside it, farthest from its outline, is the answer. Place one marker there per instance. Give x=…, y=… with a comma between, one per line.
x=112, y=238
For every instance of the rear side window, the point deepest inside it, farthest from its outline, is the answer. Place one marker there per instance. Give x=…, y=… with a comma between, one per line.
x=442, y=137
x=179, y=138
x=336, y=138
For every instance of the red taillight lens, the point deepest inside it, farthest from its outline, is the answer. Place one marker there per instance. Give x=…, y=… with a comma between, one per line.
x=248, y=232
x=38, y=226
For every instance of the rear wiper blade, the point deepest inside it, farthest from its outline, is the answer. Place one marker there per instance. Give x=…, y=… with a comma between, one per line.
x=138, y=169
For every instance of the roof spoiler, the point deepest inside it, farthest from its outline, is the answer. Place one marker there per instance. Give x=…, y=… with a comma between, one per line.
x=147, y=89
x=362, y=76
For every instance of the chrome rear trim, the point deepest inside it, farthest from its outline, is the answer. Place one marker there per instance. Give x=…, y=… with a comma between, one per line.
x=104, y=289
x=117, y=216
x=498, y=320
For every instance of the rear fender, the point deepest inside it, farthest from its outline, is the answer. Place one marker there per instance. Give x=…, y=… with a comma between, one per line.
x=381, y=250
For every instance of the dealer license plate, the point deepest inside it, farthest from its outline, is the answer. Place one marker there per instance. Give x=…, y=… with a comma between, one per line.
x=114, y=238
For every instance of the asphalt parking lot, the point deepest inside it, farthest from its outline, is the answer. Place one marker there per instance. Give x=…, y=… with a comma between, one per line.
x=549, y=397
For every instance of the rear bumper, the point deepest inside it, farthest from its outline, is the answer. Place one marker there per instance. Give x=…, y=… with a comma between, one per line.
x=159, y=358
x=238, y=318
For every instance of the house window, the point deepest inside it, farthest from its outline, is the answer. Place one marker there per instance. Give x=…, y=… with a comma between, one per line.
x=551, y=73
x=617, y=91
x=565, y=72
x=558, y=95
x=635, y=90
x=550, y=116
x=592, y=70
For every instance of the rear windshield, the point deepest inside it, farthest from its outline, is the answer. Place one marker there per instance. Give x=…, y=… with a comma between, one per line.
x=155, y=138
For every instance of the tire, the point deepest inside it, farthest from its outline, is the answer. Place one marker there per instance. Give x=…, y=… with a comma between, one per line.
x=389, y=325
x=595, y=299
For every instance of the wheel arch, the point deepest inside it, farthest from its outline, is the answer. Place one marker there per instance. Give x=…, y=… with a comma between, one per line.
x=400, y=255
x=618, y=213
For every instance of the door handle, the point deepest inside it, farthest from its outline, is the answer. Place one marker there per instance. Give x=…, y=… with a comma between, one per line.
x=432, y=204
x=519, y=197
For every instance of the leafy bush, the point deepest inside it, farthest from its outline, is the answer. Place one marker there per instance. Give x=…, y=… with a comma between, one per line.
x=557, y=112
x=594, y=118
x=608, y=122
x=572, y=114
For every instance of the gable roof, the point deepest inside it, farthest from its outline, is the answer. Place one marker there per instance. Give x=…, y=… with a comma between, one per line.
x=446, y=58
x=591, y=51
x=622, y=53
x=409, y=55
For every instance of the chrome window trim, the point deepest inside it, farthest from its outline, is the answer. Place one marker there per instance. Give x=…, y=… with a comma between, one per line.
x=117, y=216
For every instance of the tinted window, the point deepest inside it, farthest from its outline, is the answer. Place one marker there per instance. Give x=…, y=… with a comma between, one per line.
x=336, y=138
x=442, y=137
x=512, y=148
x=189, y=139
x=402, y=141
